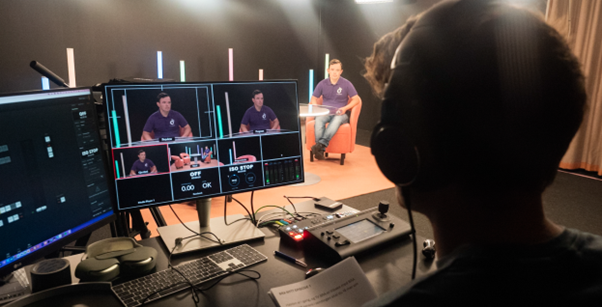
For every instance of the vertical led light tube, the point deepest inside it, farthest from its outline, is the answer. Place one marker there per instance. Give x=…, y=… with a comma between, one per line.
x=123, y=166
x=234, y=149
x=261, y=75
x=230, y=150
x=71, y=67
x=159, y=65
x=117, y=169
x=45, y=83
x=311, y=83
x=228, y=113
x=230, y=64
x=182, y=72
x=326, y=61
x=127, y=118
x=115, y=128
x=219, y=121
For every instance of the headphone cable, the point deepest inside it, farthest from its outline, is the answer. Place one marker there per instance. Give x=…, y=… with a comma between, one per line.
x=405, y=193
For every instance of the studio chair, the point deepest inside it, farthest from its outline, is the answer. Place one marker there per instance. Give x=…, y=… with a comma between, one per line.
x=343, y=142
x=178, y=161
x=185, y=157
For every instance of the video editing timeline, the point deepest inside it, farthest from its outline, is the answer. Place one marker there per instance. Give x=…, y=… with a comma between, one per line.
x=218, y=157
x=50, y=147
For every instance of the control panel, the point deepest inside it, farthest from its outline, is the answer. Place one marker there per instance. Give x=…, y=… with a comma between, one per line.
x=292, y=230
x=354, y=233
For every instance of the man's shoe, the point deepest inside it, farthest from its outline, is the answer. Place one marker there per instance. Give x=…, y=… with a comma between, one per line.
x=318, y=151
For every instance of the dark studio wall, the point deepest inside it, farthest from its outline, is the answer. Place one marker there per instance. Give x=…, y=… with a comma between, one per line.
x=120, y=38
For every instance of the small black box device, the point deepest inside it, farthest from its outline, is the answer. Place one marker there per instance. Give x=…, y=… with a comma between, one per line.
x=328, y=204
x=354, y=234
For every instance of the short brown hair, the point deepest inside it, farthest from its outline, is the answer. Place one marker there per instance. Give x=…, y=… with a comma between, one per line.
x=335, y=61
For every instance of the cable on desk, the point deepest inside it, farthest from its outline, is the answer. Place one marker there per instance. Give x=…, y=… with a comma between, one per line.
x=253, y=210
x=241, y=219
x=201, y=234
x=230, y=274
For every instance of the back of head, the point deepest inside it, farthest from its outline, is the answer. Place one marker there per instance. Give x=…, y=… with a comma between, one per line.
x=489, y=94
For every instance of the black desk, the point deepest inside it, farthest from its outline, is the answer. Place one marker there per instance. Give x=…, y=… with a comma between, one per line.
x=387, y=268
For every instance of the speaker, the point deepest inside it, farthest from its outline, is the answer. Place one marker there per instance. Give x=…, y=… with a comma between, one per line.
x=50, y=273
x=111, y=258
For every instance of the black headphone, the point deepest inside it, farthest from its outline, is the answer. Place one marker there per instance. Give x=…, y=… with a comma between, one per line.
x=406, y=143
x=110, y=258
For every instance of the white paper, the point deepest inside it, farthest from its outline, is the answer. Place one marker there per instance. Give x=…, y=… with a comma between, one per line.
x=343, y=284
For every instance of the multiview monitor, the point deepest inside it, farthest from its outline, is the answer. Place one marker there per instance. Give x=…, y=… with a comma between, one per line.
x=174, y=142
x=54, y=180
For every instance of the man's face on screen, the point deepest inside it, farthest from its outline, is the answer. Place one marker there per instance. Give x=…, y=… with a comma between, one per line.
x=142, y=156
x=258, y=100
x=335, y=71
x=164, y=104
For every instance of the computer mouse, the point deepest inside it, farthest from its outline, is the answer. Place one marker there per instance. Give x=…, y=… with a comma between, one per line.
x=313, y=272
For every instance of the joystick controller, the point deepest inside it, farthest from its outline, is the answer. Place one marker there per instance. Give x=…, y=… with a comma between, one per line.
x=383, y=208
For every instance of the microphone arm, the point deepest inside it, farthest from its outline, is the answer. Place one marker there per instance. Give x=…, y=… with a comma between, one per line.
x=48, y=74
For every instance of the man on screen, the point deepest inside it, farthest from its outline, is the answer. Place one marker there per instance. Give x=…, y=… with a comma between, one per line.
x=143, y=165
x=165, y=123
x=259, y=117
x=206, y=155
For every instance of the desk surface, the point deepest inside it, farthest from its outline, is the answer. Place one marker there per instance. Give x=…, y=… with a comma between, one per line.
x=387, y=268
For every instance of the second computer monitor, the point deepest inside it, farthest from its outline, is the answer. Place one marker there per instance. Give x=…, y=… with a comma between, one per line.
x=174, y=142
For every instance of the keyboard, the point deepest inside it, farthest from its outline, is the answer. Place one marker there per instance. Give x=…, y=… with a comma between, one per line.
x=132, y=293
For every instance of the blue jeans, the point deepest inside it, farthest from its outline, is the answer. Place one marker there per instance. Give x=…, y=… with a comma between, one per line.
x=323, y=133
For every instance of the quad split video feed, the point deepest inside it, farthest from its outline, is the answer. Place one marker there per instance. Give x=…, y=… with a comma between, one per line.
x=174, y=142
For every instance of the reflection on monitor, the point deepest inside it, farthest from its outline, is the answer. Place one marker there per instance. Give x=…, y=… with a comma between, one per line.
x=55, y=186
x=173, y=142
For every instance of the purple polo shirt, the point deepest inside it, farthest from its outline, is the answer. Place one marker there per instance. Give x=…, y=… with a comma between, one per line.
x=142, y=167
x=258, y=120
x=165, y=127
x=335, y=95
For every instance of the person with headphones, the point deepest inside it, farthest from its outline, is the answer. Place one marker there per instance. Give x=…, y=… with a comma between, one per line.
x=480, y=102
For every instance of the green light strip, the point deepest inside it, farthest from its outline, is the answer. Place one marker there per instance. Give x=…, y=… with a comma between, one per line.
x=219, y=122
x=115, y=129
x=117, y=168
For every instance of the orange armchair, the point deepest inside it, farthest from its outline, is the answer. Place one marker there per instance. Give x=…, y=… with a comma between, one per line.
x=178, y=162
x=343, y=141
x=185, y=157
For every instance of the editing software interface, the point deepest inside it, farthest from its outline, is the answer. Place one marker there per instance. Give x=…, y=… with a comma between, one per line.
x=54, y=181
x=174, y=142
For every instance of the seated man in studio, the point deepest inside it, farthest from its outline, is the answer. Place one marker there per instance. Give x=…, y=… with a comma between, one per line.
x=165, y=123
x=143, y=165
x=481, y=100
x=259, y=117
x=336, y=92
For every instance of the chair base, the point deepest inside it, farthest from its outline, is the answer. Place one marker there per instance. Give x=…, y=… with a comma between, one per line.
x=311, y=157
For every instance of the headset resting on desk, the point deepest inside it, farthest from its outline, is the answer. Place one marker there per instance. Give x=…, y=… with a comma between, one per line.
x=110, y=258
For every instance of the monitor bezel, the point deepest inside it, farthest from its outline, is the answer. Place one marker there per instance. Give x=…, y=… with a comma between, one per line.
x=103, y=88
x=36, y=255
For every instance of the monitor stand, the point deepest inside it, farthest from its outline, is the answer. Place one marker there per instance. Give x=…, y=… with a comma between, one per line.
x=238, y=232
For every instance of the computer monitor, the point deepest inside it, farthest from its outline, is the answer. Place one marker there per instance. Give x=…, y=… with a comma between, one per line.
x=54, y=182
x=175, y=142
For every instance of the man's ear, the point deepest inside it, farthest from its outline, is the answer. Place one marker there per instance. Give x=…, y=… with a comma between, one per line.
x=158, y=104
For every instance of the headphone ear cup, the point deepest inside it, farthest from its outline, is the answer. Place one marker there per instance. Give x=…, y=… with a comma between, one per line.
x=98, y=270
x=395, y=154
x=140, y=262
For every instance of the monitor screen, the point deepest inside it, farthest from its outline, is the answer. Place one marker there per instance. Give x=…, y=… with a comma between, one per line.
x=173, y=142
x=55, y=186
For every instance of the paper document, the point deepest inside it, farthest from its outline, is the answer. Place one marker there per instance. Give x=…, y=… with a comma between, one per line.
x=343, y=284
